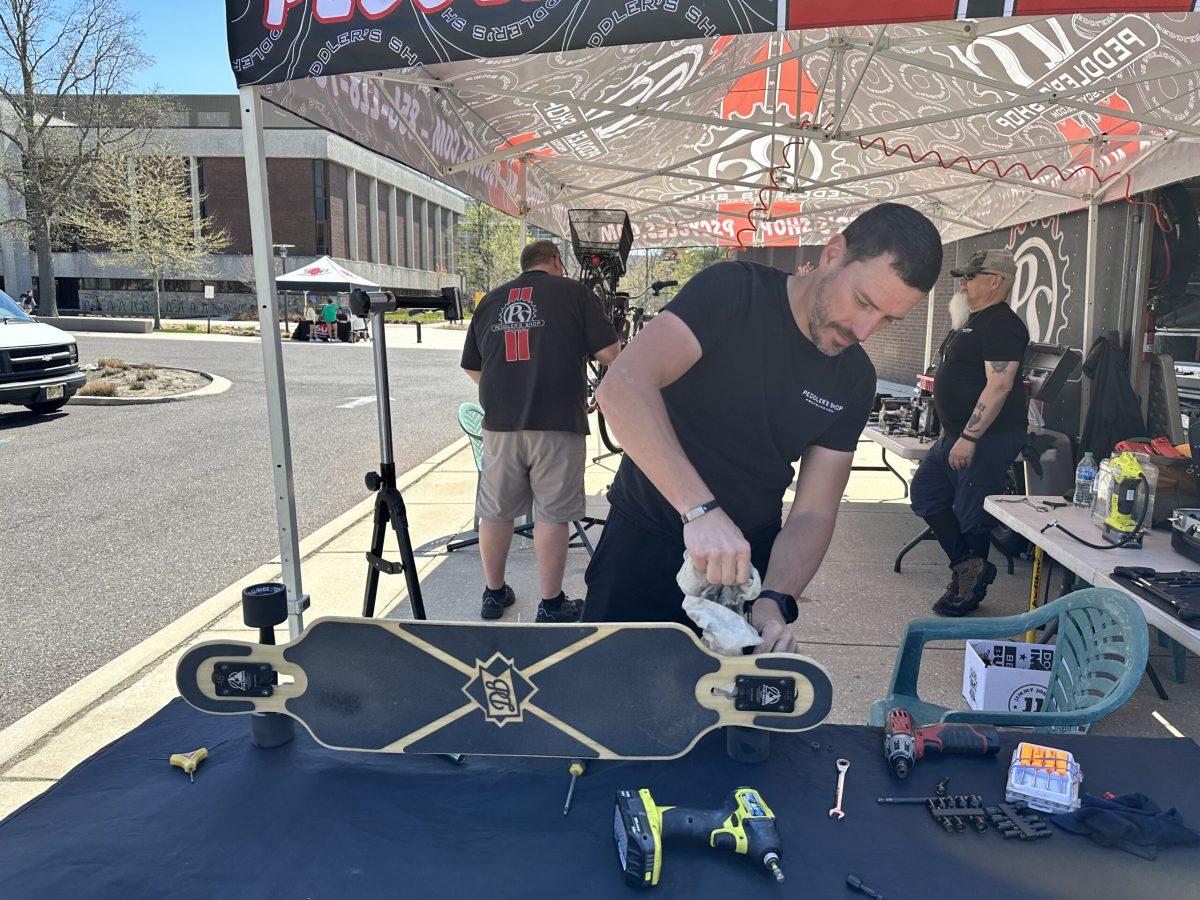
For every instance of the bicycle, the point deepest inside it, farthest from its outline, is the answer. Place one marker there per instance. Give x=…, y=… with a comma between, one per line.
x=628, y=320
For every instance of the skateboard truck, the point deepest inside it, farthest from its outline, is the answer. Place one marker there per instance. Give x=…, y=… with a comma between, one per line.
x=244, y=679
x=263, y=607
x=761, y=693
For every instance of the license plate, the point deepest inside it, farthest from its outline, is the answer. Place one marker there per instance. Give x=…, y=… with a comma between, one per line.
x=54, y=392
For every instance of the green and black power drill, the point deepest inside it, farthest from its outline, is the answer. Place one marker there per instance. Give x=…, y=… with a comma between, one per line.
x=745, y=824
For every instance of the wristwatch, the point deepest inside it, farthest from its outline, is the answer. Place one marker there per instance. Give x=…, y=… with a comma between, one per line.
x=787, y=605
x=696, y=512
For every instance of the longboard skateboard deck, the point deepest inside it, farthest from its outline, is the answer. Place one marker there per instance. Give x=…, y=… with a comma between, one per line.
x=589, y=691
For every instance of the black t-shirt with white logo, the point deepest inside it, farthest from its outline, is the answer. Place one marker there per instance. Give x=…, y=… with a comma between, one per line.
x=530, y=339
x=758, y=396
x=992, y=334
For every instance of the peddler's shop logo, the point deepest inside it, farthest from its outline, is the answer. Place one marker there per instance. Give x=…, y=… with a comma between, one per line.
x=275, y=12
x=821, y=403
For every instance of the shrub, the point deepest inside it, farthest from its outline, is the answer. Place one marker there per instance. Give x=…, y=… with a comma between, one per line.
x=111, y=362
x=100, y=388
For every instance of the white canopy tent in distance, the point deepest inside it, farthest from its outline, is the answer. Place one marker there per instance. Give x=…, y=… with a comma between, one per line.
x=752, y=122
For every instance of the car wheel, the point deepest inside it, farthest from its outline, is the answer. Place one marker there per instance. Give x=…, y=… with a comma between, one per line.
x=47, y=406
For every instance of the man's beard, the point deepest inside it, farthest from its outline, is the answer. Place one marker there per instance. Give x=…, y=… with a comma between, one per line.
x=819, y=321
x=960, y=310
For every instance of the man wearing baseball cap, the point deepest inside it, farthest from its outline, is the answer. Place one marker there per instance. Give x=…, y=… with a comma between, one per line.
x=983, y=411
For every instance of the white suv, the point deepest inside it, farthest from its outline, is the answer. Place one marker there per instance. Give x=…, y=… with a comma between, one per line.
x=39, y=364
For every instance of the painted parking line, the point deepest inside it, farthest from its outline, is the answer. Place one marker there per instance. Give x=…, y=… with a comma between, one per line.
x=357, y=401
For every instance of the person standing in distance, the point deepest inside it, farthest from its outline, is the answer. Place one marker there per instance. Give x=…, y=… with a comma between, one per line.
x=526, y=349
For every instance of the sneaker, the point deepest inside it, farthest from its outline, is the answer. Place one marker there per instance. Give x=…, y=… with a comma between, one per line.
x=495, y=602
x=974, y=575
x=568, y=610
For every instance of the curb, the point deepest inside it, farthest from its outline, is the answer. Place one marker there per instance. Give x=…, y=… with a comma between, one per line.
x=216, y=385
x=40, y=725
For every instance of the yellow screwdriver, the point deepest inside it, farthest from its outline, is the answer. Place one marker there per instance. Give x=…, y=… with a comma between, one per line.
x=575, y=769
x=190, y=762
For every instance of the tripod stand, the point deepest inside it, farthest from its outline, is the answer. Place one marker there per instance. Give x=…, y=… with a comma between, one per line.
x=389, y=505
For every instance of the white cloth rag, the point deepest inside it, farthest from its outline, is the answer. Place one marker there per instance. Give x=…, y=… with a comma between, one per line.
x=717, y=609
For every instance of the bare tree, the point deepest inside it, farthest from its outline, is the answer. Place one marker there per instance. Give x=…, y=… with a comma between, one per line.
x=63, y=65
x=139, y=210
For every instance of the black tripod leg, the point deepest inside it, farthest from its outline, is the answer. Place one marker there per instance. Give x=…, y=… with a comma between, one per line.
x=400, y=525
x=375, y=553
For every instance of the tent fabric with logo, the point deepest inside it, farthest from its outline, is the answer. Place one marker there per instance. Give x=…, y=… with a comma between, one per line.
x=323, y=276
x=799, y=114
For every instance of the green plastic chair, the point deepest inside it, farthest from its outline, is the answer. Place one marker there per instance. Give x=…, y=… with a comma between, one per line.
x=470, y=420
x=1102, y=646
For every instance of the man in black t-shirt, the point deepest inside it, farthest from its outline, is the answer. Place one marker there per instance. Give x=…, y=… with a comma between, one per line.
x=746, y=371
x=982, y=407
x=526, y=349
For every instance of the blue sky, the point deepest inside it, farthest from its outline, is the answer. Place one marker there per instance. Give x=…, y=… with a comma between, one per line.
x=187, y=41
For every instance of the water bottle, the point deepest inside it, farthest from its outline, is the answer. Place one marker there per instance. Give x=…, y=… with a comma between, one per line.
x=1085, y=480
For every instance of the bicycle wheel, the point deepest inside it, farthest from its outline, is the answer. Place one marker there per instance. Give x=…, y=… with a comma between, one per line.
x=595, y=375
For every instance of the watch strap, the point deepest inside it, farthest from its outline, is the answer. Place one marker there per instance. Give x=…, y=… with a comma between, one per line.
x=697, y=511
x=786, y=602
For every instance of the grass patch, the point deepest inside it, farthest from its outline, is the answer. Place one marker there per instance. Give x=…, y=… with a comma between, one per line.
x=111, y=362
x=99, y=388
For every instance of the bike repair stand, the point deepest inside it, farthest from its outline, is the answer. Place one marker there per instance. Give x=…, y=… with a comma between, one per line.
x=389, y=505
x=263, y=607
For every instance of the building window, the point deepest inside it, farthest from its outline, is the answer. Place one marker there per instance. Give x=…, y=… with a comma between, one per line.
x=200, y=188
x=321, y=205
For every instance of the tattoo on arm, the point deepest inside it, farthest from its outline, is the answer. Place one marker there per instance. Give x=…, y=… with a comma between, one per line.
x=999, y=366
x=976, y=417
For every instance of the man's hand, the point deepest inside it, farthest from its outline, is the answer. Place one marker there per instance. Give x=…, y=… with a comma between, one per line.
x=767, y=620
x=719, y=551
x=961, y=454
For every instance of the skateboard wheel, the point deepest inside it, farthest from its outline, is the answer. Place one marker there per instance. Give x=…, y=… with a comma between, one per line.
x=264, y=605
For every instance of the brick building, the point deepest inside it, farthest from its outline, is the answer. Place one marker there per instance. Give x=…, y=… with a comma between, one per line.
x=329, y=196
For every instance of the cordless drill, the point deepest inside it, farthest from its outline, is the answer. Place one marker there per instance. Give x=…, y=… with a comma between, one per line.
x=903, y=744
x=745, y=824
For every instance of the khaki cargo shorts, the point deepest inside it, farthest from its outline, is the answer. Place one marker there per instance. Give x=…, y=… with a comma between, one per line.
x=538, y=470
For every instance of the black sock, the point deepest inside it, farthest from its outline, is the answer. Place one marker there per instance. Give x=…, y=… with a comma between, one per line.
x=949, y=535
x=554, y=602
x=979, y=540
x=496, y=592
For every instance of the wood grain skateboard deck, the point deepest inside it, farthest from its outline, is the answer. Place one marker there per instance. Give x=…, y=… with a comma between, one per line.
x=590, y=691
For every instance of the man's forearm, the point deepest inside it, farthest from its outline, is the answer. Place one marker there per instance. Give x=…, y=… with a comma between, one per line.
x=986, y=409
x=798, y=551
x=638, y=418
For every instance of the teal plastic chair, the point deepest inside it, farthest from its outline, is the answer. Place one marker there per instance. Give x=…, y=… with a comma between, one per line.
x=470, y=420
x=1102, y=646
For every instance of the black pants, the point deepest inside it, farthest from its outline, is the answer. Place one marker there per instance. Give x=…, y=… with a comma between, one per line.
x=631, y=577
x=951, y=500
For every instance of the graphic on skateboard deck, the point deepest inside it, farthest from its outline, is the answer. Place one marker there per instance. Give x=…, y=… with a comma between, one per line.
x=590, y=691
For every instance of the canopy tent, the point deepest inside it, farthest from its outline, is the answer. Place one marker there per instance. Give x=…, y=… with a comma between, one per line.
x=692, y=119
x=323, y=277
x=754, y=121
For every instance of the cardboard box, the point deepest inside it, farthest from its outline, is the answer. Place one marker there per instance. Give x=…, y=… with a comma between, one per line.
x=1006, y=675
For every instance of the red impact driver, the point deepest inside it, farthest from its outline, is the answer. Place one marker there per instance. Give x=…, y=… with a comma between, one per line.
x=904, y=744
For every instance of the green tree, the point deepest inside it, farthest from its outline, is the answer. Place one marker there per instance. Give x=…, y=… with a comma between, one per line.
x=488, y=254
x=139, y=211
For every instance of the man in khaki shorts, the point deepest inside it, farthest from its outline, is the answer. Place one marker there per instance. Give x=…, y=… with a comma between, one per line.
x=526, y=349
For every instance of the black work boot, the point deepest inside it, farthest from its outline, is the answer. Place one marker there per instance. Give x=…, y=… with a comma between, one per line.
x=560, y=609
x=951, y=590
x=495, y=602
x=974, y=575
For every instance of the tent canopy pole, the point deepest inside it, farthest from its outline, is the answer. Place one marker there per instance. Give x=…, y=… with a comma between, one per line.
x=272, y=348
